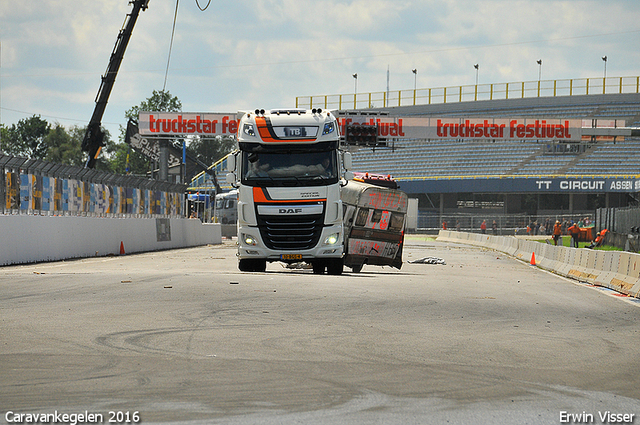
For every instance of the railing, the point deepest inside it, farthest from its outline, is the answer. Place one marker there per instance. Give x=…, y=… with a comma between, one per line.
x=37, y=187
x=496, y=91
x=506, y=224
x=203, y=181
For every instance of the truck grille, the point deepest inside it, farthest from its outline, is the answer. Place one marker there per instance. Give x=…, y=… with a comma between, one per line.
x=290, y=232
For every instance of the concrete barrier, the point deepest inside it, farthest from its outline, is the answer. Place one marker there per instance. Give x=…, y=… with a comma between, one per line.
x=610, y=263
x=33, y=238
x=617, y=270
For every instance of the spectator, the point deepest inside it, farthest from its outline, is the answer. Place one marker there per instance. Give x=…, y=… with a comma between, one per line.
x=444, y=225
x=557, y=232
x=494, y=226
x=574, y=230
x=536, y=228
x=457, y=225
x=483, y=226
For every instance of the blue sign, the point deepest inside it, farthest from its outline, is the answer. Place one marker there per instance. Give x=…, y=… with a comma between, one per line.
x=521, y=185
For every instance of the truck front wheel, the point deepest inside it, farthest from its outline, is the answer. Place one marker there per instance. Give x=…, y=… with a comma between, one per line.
x=335, y=266
x=252, y=265
x=318, y=267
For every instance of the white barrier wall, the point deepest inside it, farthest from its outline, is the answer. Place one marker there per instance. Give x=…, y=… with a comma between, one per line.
x=32, y=238
x=617, y=270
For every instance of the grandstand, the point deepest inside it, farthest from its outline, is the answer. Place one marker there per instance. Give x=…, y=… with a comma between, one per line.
x=505, y=177
x=458, y=170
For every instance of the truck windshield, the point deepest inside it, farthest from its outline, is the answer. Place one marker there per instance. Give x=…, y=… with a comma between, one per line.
x=289, y=169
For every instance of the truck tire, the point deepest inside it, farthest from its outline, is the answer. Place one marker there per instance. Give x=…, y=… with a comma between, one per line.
x=260, y=266
x=357, y=268
x=318, y=267
x=245, y=265
x=335, y=266
x=249, y=265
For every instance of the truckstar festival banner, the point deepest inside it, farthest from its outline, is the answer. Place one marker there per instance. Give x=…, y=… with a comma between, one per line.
x=470, y=128
x=221, y=124
x=187, y=123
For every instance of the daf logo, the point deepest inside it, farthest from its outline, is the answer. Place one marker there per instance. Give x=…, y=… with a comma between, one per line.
x=290, y=211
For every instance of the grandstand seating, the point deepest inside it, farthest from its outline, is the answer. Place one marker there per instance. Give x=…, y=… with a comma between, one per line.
x=459, y=158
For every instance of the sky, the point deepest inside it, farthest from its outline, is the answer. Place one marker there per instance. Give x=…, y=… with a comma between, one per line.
x=248, y=54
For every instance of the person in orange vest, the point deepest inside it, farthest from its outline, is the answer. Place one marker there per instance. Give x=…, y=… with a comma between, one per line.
x=557, y=232
x=483, y=226
x=599, y=239
x=444, y=225
x=574, y=230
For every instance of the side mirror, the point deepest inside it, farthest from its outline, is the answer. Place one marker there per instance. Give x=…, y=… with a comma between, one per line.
x=231, y=162
x=347, y=161
x=348, y=175
x=231, y=179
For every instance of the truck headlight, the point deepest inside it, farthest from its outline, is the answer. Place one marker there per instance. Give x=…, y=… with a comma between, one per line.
x=332, y=239
x=249, y=240
x=248, y=130
x=328, y=128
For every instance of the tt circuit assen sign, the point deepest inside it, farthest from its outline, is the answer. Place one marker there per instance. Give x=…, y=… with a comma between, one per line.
x=523, y=185
x=182, y=124
x=569, y=130
x=587, y=185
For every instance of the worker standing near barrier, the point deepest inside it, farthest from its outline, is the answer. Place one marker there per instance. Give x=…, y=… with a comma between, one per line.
x=557, y=232
x=574, y=230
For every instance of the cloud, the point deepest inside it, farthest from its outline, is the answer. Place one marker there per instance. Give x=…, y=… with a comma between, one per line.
x=249, y=53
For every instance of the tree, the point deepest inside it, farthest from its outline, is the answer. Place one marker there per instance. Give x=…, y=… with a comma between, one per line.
x=138, y=163
x=206, y=150
x=211, y=150
x=159, y=101
x=127, y=161
x=27, y=138
x=64, y=147
x=4, y=136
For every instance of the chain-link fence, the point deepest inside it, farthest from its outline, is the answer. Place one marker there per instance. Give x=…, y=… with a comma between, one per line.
x=623, y=225
x=30, y=186
x=619, y=220
x=499, y=224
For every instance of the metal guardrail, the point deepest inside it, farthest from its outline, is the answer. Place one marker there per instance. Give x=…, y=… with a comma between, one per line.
x=32, y=186
x=506, y=224
x=495, y=91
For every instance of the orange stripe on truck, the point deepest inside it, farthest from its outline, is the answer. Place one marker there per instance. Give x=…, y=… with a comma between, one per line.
x=268, y=136
x=260, y=195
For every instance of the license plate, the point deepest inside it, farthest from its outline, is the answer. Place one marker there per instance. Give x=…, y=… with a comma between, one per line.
x=291, y=256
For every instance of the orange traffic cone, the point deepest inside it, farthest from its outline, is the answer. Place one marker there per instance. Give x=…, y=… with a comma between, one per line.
x=533, y=259
x=121, y=247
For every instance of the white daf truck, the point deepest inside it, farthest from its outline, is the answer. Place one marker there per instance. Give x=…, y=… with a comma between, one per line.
x=288, y=170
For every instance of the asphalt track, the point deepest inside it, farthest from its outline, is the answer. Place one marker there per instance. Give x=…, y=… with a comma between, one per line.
x=183, y=337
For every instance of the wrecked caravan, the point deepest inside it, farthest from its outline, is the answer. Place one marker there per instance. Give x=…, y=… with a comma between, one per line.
x=374, y=222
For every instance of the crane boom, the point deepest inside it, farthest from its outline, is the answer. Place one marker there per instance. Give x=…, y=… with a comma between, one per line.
x=94, y=137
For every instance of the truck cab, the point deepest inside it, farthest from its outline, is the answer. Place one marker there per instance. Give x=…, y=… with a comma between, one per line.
x=288, y=170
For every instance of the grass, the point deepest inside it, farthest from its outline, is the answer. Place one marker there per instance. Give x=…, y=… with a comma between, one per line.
x=566, y=241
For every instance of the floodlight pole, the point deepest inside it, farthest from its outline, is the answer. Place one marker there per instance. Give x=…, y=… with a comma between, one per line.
x=355, y=89
x=539, y=62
